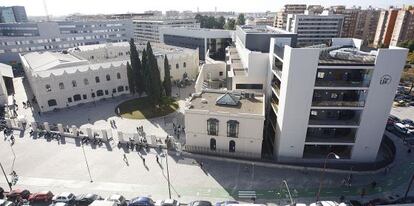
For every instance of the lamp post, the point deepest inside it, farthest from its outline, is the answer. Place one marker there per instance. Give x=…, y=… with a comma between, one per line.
x=323, y=173
x=290, y=196
x=87, y=165
x=168, y=173
x=5, y=176
x=14, y=157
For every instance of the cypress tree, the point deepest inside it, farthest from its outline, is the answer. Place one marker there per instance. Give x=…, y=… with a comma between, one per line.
x=136, y=67
x=145, y=72
x=167, y=77
x=130, y=75
x=155, y=77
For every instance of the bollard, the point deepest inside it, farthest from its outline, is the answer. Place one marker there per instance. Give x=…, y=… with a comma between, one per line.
x=60, y=128
x=47, y=128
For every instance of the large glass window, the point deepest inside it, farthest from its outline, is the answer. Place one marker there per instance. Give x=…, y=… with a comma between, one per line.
x=52, y=102
x=76, y=97
x=232, y=128
x=99, y=93
x=212, y=126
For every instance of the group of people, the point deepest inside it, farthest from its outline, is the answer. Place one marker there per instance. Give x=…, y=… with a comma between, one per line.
x=178, y=130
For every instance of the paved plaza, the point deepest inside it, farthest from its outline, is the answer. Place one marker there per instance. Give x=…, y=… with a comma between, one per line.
x=62, y=165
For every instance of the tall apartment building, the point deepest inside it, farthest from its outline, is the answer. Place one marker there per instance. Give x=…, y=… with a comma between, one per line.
x=315, y=29
x=350, y=20
x=13, y=14
x=319, y=99
x=404, y=27
x=366, y=25
x=385, y=27
x=148, y=29
x=335, y=99
x=40, y=36
x=281, y=16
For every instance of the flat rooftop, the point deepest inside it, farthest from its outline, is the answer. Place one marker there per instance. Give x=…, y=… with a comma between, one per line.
x=207, y=101
x=263, y=29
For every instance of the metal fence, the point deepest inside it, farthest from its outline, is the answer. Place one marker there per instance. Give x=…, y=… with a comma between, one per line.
x=220, y=152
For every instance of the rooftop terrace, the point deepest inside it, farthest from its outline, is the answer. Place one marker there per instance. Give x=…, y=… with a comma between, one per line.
x=207, y=101
x=346, y=55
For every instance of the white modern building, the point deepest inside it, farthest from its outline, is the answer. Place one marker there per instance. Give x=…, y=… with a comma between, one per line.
x=148, y=29
x=18, y=38
x=315, y=28
x=90, y=73
x=330, y=99
x=213, y=40
x=225, y=123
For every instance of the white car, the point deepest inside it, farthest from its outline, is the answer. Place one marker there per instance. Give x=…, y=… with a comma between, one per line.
x=118, y=199
x=65, y=197
x=6, y=203
x=167, y=202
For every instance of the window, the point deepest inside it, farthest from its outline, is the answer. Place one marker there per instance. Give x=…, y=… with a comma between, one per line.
x=106, y=92
x=120, y=88
x=93, y=95
x=97, y=79
x=70, y=99
x=108, y=78
x=126, y=88
x=99, y=93
x=321, y=75
x=114, y=91
x=61, y=86
x=249, y=86
x=232, y=146
x=212, y=127
x=220, y=73
x=213, y=144
x=177, y=66
x=118, y=75
x=85, y=81
x=74, y=83
x=52, y=102
x=84, y=96
x=76, y=97
x=232, y=128
x=48, y=88
x=184, y=65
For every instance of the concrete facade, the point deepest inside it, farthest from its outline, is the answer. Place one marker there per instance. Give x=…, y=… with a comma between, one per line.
x=5, y=71
x=148, y=29
x=18, y=38
x=13, y=14
x=404, y=27
x=385, y=28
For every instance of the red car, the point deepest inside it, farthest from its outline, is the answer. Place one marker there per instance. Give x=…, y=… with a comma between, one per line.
x=18, y=194
x=45, y=196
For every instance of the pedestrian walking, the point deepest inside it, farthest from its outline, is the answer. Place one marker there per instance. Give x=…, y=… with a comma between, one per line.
x=157, y=158
x=143, y=160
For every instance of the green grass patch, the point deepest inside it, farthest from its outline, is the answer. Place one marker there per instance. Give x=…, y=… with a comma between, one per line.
x=142, y=108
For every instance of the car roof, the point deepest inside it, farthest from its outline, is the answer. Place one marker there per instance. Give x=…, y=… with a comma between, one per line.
x=201, y=203
x=141, y=199
x=169, y=201
x=65, y=194
x=115, y=196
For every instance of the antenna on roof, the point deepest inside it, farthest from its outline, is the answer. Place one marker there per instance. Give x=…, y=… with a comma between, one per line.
x=47, y=13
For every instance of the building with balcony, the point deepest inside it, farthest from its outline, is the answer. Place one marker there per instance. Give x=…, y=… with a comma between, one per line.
x=281, y=16
x=385, y=28
x=315, y=28
x=148, y=29
x=330, y=99
x=213, y=40
x=18, y=38
x=225, y=123
x=90, y=73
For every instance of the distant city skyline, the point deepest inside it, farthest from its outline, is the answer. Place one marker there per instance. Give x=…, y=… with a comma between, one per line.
x=61, y=7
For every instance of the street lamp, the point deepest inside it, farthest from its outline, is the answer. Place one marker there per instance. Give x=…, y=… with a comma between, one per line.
x=5, y=176
x=290, y=196
x=323, y=172
x=87, y=165
x=168, y=173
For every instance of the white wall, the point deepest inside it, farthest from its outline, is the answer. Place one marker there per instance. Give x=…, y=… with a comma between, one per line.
x=296, y=91
x=378, y=103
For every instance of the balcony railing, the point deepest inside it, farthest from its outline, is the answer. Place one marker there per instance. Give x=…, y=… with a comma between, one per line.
x=340, y=83
x=279, y=51
x=275, y=105
x=327, y=103
x=352, y=122
x=337, y=139
x=276, y=88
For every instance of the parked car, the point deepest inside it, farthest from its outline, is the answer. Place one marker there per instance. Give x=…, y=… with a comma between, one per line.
x=167, y=202
x=65, y=197
x=118, y=199
x=6, y=203
x=44, y=196
x=59, y=204
x=141, y=201
x=402, y=129
x=225, y=203
x=393, y=119
x=103, y=203
x=17, y=194
x=86, y=199
x=200, y=203
x=1, y=193
x=408, y=123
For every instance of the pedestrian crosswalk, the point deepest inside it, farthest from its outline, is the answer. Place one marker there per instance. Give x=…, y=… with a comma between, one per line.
x=247, y=194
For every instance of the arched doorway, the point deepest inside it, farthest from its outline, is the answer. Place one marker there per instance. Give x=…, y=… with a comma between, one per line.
x=213, y=144
x=232, y=146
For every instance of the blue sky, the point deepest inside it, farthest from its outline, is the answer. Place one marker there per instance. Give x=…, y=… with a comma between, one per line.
x=62, y=7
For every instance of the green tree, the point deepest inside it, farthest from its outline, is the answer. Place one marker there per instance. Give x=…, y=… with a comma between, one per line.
x=136, y=67
x=230, y=24
x=240, y=19
x=131, y=81
x=220, y=22
x=155, y=90
x=167, y=77
x=409, y=44
x=145, y=72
